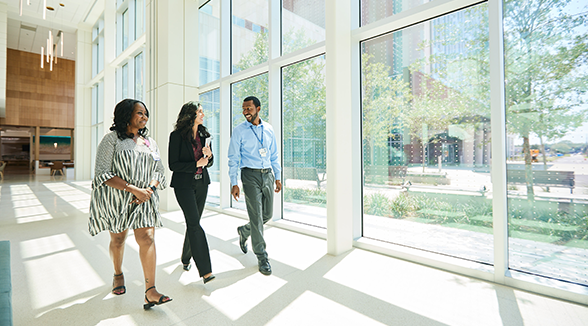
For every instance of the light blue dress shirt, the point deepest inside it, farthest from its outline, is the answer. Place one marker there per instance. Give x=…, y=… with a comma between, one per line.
x=246, y=141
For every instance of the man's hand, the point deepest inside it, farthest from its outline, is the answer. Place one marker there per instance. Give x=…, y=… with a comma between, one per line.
x=278, y=186
x=235, y=192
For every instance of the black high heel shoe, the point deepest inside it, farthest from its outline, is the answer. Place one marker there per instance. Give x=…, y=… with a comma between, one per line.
x=187, y=266
x=124, y=289
x=208, y=279
x=150, y=304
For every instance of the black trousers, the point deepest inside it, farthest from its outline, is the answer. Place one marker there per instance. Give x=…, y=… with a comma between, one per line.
x=192, y=202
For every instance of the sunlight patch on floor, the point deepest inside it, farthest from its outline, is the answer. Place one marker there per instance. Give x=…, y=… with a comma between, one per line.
x=30, y=211
x=36, y=218
x=287, y=248
x=75, y=197
x=240, y=297
x=55, y=278
x=315, y=307
x=20, y=190
x=120, y=320
x=46, y=245
x=25, y=202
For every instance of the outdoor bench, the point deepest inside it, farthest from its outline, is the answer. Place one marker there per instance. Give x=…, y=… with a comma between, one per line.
x=310, y=174
x=545, y=178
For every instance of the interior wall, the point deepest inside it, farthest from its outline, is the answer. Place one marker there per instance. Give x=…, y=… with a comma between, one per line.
x=36, y=96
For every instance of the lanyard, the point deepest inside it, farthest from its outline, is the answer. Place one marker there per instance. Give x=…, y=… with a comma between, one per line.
x=260, y=141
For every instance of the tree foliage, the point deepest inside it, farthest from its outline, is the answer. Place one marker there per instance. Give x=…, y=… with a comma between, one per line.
x=546, y=54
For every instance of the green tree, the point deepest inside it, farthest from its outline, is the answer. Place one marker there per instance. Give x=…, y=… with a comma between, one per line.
x=384, y=97
x=303, y=90
x=546, y=50
x=256, y=86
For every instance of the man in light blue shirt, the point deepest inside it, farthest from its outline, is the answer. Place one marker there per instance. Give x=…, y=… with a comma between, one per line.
x=253, y=149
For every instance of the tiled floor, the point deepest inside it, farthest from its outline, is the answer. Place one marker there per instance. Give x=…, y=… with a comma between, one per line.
x=62, y=276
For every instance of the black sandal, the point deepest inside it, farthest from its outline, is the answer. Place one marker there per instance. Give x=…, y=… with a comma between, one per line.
x=150, y=304
x=124, y=289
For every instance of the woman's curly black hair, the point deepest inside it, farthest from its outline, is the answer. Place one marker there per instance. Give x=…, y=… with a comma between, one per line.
x=186, y=119
x=123, y=112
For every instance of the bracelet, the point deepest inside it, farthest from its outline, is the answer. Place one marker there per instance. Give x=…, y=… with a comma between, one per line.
x=125, y=188
x=153, y=187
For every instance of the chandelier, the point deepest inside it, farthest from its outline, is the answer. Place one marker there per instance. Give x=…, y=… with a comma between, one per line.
x=50, y=56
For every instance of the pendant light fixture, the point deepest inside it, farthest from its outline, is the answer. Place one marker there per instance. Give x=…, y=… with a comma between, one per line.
x=51, y=55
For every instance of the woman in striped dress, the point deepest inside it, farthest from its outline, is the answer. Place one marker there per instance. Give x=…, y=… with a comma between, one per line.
x=128, y=172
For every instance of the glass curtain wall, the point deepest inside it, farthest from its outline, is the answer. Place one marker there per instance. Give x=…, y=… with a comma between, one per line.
x=211, y=105
x=258, y=87
x=250, y=31
x=125, y=30
x=209, y=37
x=125, y=81
x=139, y=77
x=97, y=121
x=374, y=10
x=98, y=47
x=426, y=136
x=547, y=129
x=304, y=152
x=426, y=132
x=139, y=18
x=303, y=24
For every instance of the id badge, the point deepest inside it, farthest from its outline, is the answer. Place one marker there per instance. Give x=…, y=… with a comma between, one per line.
x=263, y=152
x=155, y=156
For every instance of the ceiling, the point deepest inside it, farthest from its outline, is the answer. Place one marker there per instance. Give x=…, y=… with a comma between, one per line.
x=29, y=32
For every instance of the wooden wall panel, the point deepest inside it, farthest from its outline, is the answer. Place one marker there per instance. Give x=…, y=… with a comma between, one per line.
x=39, y=97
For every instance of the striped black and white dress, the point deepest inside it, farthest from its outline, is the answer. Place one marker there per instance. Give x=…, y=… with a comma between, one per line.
x=109, y=207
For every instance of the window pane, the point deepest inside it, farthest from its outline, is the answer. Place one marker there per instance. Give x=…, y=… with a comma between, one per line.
x=209, y=40
x=249, y=33
x=125, y=29
x=125, y=81
x=304, y=145
x=94, y=105
x=139, y=18
x=303, y=24
x=374, y=10
x=139, y=81
x=211, y=105
x=547, y=127
x=255, y=86
x=426, y=136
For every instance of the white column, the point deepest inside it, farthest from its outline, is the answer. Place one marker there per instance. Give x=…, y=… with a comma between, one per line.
x=225, y=103
x=109, y=95
x=83, y=105
x=172, y=71
x=343, y=188
x=274, y=106
x=498, y=168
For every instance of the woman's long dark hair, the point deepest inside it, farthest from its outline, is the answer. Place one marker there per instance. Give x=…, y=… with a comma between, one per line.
x=123, y=112
x=186, y=119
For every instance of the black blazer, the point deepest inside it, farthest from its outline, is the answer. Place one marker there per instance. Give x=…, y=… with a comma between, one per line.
x=182, y=163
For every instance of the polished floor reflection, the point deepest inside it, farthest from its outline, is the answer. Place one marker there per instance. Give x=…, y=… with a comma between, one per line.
x=62, y=276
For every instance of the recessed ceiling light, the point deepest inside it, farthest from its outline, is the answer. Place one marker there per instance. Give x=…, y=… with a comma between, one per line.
x=50, y=8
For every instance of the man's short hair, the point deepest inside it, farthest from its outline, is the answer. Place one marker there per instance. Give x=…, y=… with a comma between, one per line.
x=255, y=100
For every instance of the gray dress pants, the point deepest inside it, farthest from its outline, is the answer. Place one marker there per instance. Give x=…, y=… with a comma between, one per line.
x=258, y=186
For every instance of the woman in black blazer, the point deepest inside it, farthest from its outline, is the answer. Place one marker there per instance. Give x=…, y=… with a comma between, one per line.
x=189, y=158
